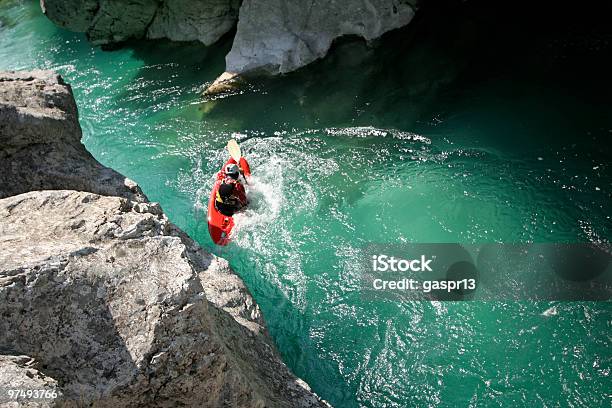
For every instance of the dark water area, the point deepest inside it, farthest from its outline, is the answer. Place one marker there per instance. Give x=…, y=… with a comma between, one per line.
x=462, y=60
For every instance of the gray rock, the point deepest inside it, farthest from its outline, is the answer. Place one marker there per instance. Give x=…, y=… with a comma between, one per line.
x=188, y=20
x=123, y=308
x=74, y=15
x=104, y=21
x=40, y=139
x=112, y=21
x=279, y=36
x=117, y=21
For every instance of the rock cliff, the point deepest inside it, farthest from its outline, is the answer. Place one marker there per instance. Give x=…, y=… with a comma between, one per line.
x=272, y=36
x=40, y=141
x=103, y=300
x=279, y=36
x=109, y=21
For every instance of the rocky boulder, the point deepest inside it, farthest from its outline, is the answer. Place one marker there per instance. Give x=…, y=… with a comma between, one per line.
x=122, y=308
x=40, y=140
x=279, y=36
x=110, y=22
x=189, y=20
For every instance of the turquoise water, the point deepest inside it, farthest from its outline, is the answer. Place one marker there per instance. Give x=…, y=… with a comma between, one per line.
x=442, y=132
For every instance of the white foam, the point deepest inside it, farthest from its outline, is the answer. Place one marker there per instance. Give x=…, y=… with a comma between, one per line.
x=266, y=200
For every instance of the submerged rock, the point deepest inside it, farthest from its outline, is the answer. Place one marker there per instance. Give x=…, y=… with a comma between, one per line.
x=111, y=303
x=227, y=82
x=40, y=140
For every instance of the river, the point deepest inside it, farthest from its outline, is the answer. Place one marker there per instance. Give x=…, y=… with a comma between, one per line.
x=444, y=131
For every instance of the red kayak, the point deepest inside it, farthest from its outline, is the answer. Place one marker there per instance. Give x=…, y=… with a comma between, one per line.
x=220, y=226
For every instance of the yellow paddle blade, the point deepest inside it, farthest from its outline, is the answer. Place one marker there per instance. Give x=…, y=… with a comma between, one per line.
x=234, y=150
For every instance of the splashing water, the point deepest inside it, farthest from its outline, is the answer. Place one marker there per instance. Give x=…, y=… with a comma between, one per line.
x=265, y=194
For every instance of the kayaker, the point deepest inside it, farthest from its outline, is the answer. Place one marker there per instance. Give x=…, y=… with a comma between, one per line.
x=231, y=196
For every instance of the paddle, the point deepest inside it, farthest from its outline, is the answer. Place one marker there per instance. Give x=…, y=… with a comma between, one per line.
x=234, y=150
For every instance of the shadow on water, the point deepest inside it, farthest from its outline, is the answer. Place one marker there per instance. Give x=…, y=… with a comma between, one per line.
x=357, y=83
x=544, y=65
